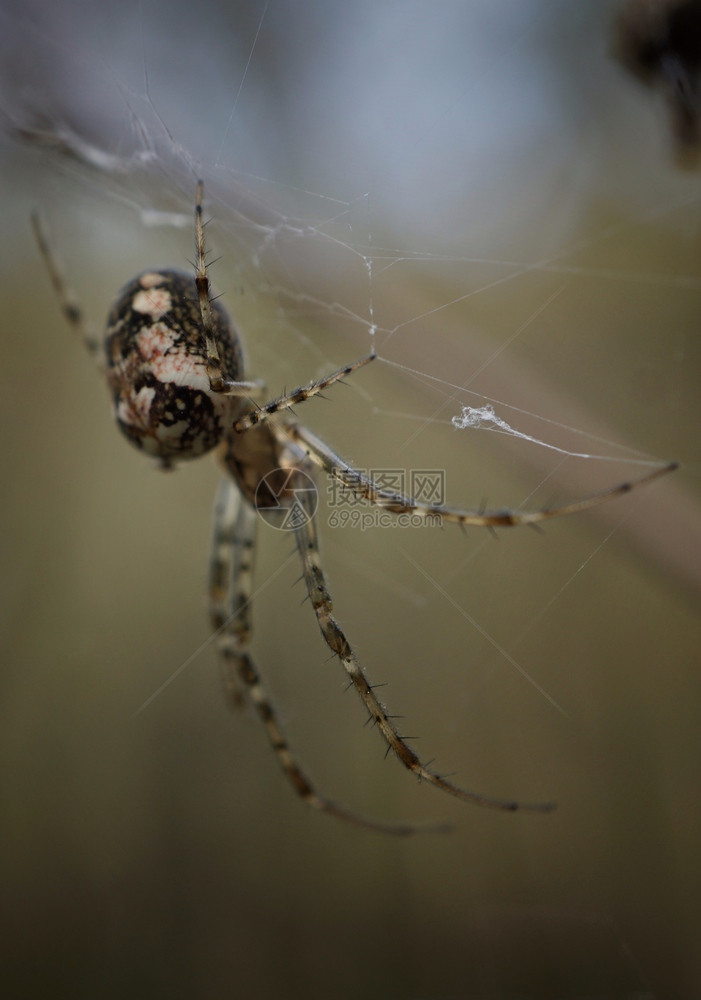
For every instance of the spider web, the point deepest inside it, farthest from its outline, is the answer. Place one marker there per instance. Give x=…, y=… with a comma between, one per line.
x=483, y=198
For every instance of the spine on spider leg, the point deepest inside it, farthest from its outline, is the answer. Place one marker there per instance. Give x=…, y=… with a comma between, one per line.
x=292, y=770
x=305, y=392
x=336, y=640
x=214, y=368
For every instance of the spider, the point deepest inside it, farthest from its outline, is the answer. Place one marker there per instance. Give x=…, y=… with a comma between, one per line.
x=173, y=362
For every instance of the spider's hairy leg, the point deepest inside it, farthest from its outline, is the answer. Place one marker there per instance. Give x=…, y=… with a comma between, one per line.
x=323, y=457
x=231, y=584
x=218, y=382
x=308, y=547
x=230, y=595
x=284, y=402
x=68, y=300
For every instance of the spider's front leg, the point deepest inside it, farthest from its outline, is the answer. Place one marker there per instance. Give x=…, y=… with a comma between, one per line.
x=289, y=399
x=218, y=381
x=67, y=299
x=318, y=452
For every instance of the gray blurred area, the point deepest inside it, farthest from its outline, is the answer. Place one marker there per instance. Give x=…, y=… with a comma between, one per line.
x=532, y=240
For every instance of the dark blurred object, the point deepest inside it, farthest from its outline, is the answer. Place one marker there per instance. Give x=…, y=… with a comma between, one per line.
x=659, y=41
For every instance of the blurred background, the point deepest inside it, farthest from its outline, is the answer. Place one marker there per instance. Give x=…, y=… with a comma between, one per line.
x=485, y=190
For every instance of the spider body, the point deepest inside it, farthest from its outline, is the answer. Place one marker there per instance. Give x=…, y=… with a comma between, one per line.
x=156, y=367
x=173, y=362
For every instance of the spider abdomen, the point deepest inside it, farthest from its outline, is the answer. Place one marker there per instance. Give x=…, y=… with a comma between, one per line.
x=157, y=368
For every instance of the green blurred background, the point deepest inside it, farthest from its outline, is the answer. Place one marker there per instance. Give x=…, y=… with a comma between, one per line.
x=163, y=853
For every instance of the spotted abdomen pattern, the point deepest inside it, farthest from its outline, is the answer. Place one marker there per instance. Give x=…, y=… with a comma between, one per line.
x=157, y=367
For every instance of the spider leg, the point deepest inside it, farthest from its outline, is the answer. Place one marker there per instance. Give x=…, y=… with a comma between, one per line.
x=217, y=381
x=231, y=583
x=364, y=487
x=308, y=547
x=68, y=300
x=230, y=587
x=284, y=402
